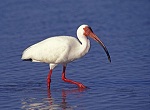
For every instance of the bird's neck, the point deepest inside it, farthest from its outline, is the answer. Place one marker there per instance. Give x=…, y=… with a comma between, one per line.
x=85, y=44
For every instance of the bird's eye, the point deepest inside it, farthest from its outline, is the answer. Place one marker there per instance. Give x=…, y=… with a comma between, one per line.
x=87, y=30
x=90, y=29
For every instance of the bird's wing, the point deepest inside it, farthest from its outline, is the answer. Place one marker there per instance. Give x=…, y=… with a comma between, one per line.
x=49, y=50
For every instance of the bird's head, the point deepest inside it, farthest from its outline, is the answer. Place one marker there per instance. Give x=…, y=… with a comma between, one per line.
x=86, y=31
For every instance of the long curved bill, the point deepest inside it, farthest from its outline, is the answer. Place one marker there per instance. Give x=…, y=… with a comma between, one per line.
x=92, y=35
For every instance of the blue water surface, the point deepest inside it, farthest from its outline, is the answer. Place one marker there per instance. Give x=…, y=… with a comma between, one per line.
x=123, y=26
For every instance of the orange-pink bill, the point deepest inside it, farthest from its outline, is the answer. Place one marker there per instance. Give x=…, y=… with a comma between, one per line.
x=89, y=32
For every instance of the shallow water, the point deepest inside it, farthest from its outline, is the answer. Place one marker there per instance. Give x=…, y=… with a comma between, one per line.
x=123, y=26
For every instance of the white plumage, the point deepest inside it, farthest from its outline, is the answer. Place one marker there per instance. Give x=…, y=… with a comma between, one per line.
x=55, y=50
x=62, y=49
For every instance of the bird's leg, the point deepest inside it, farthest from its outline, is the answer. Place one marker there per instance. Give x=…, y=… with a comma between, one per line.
x=49, y=79
x=80, y=85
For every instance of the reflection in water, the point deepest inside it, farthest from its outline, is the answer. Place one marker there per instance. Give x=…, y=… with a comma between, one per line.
x=49, y=103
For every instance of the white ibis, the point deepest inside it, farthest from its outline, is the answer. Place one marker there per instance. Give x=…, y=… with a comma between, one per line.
x=62, y=50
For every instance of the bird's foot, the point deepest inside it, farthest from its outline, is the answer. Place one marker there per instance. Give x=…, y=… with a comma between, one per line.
x=80, y=85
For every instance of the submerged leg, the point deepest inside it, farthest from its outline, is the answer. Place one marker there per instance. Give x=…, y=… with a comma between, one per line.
x=49, y=79
x=51, y=66
x=80, y=85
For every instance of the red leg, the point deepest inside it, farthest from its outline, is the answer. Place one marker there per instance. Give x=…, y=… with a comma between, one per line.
x=49, y=79
x=80, y=85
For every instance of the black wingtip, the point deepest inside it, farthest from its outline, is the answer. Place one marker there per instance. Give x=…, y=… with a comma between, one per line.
x=27, y=60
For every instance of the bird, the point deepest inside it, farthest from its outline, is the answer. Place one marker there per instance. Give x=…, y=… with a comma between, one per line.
x=63, y=50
